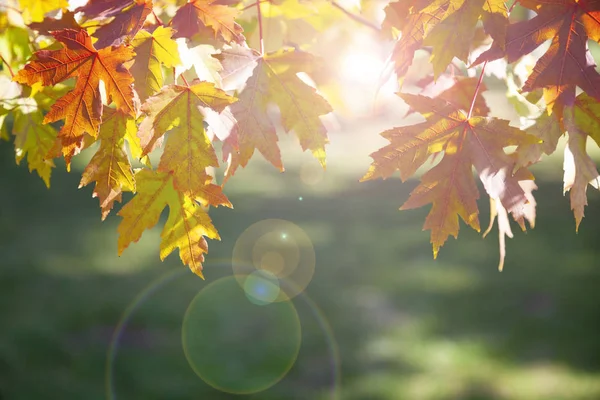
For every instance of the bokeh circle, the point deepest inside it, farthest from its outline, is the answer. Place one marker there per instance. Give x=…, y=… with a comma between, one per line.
x=277, y=249
x=237, y=345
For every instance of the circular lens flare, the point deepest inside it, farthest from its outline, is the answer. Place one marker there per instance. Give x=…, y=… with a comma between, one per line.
x=236, y=345
x=261, y=287
x=279, y=249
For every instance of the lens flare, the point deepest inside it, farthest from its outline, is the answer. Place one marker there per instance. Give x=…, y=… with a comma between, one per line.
x=261, y=287
x=279, y=249
x=235, y=345
x=311, y=174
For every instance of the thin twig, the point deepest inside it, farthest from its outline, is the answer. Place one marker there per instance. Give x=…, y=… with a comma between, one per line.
x=254, y=4
x=513, y=6
x=15, y=9
x=12, y=74
x=476, y=90
x=260, y=28
x=356, y=17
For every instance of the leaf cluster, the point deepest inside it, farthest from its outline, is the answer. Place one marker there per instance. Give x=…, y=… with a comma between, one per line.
x=192, y=85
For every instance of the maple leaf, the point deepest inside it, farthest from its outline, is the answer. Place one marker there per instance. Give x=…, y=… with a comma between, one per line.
x=110, y=167
x=460, y=94
x=35, y=10
x=196, y=15
x=273, y=80
x=67, y=21
x=81, y=108
x=449, y=186
x=187, y=226
x=414, y=28
x=452, y=37
x=34, y=140
x=188, y=152
x=567, y=62
x=129, y=17
x=152, y=50
x=497, y=210
x=581, y=120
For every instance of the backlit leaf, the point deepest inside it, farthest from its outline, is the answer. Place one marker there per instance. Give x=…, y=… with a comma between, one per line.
x=153, y=50
x=188, y=223
x=196, y=15
x=110, y=168
x=449, y=186
x=274, y=81
x=182, y=110
x=81, y=108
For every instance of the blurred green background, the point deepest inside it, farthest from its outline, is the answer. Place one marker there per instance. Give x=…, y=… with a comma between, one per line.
x=404, y=326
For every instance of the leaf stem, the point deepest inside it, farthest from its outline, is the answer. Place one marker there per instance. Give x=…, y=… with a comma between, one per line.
x=12, y=74
x=476, y=90
x=158, y=21
x=260, y=27
x=513, y=6
x=184, y=80
x=355, y=17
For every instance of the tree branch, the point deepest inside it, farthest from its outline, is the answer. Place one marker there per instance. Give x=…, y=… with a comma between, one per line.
x=12, y=74
x=355, y=17
x=260, y=28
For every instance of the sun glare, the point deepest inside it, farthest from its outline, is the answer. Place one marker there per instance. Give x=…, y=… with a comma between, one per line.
x=362, y=68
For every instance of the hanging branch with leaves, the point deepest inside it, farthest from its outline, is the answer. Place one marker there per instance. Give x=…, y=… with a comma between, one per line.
x=135, y=77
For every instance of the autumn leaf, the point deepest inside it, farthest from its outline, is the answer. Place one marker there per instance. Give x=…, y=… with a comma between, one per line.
x=182, y=111
x=35, y=10
x=449, y=186
x=196, y=15
x=129, y=17
x=81, y=108
x=153, y=50
x=66, y=21
x=497, y=211
x=110, y=168
x=567, y=63
x=452, y=37
x=187, y=226
x=273, y=80
x=413, y=31
x=33, y=140
x=460, y=95
x=581, y=121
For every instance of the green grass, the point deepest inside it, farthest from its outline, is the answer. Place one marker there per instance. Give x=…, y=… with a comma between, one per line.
x=407, y=326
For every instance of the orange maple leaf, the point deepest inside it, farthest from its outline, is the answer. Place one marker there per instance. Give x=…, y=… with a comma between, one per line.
x=81, y=108
x=567, y=63
x=197, y=15
x=449, y=186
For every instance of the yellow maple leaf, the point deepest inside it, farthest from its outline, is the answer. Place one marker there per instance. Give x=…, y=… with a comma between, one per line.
x=34, y=140
x=187, y=226
x=182, y=110
x=110, y=167
x=152, y=51
x=35, y=10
